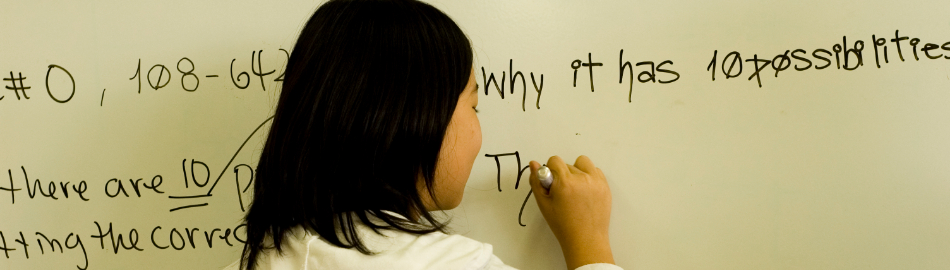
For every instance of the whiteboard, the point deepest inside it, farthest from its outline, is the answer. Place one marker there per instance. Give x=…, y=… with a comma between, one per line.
x=825, y=168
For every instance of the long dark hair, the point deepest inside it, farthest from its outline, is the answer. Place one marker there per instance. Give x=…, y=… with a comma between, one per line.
x=368, y=93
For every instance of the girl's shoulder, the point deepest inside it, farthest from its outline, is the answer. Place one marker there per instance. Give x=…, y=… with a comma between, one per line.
x=303, y=249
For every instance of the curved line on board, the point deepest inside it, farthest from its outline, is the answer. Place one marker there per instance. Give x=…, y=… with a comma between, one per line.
x=236, y=153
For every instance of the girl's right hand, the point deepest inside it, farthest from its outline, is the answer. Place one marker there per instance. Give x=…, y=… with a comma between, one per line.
x=577, y=208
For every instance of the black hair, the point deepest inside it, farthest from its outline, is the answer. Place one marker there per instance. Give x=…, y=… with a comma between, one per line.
x=367, y=96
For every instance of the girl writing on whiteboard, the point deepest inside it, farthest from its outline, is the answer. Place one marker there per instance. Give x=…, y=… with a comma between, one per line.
x=375, y=128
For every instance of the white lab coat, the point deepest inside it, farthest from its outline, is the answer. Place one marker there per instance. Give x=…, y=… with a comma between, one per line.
x=305, y=250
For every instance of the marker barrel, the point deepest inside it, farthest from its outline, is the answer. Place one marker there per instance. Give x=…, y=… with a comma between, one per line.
x=546, y=176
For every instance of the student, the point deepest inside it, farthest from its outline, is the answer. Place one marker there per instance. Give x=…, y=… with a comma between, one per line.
x=376, y=128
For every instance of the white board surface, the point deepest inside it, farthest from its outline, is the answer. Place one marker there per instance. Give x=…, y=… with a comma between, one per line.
x=813, y=169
